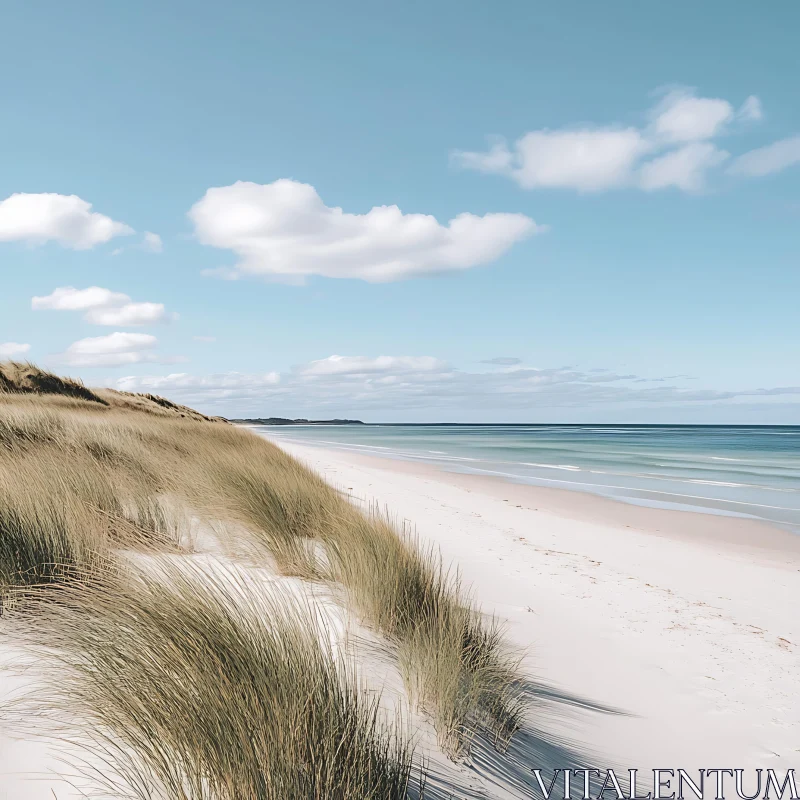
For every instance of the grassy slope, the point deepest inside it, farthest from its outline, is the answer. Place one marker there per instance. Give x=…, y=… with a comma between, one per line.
x=88, y=477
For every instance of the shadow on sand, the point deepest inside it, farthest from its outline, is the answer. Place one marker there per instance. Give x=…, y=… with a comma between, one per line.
x=507, y=774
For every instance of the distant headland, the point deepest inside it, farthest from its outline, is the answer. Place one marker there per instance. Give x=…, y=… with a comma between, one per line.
x=284, y=421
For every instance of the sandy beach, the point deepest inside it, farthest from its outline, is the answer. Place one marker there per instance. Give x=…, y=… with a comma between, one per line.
x=656, y=638
x=649, y=639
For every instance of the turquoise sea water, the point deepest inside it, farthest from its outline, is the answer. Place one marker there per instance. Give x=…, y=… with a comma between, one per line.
x=741, y=470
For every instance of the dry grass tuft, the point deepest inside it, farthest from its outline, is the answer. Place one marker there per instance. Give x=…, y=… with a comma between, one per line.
x=151, y=404
x=24, y=377
x=195, y=687
x=71, y=493
x=46, y=533
x=455, y=662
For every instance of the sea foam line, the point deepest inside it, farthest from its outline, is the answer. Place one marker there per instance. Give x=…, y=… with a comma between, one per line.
x=633, y=488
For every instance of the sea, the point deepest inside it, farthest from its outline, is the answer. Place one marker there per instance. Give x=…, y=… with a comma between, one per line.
x=746, y=471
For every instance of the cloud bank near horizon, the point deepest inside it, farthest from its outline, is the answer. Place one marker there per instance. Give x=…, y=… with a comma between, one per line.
x=400, y=383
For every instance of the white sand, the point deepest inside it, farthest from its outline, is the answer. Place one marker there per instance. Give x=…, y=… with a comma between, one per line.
x=685, y=622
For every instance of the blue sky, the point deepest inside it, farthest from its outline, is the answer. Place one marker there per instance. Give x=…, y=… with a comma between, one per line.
x=604, y=197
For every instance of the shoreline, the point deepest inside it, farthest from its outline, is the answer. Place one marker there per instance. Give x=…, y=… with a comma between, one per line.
x=579, y=505
x=744, y=487
x=658, y=636
x=697, y=526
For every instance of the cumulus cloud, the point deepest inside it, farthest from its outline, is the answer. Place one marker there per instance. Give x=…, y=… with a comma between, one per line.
x=683, y=117
x=113, y=350
x=128, y=314
x=766, y=160
x=684, y=168
x=152, y=242
x=66, y=219
x=390, y=385
x=285, y=229
x=68, y=298
x=586, y=159
x=102, y=306
x=13, y=349
x=672, y=149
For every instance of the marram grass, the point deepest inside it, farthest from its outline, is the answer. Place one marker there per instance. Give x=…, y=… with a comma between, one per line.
x=191, y=686
x=88, y=477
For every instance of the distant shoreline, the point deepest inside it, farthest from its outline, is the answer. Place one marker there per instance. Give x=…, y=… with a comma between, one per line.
x=286, y=421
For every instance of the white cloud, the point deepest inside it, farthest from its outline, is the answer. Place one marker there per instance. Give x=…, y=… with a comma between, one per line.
x=751, y=109
x=102, y=306
x=129, y=314
x=113, y=350
x=152, y=242
x=589, y=159
x=359, y=365
x=68, y=298
x=602, y=157
x=683, y=117
x=684, y=168
x=210, y=389
x=390, y=385
x=66, y=219
x=284, y=229
x=13, y=349
x=497, y=160
x=766, y=160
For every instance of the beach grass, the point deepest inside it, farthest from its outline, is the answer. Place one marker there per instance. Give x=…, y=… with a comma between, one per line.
x=89, y=478
x=191, y=685
x=455, y=661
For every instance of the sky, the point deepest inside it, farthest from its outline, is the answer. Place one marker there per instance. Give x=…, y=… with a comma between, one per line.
x=449, y=211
